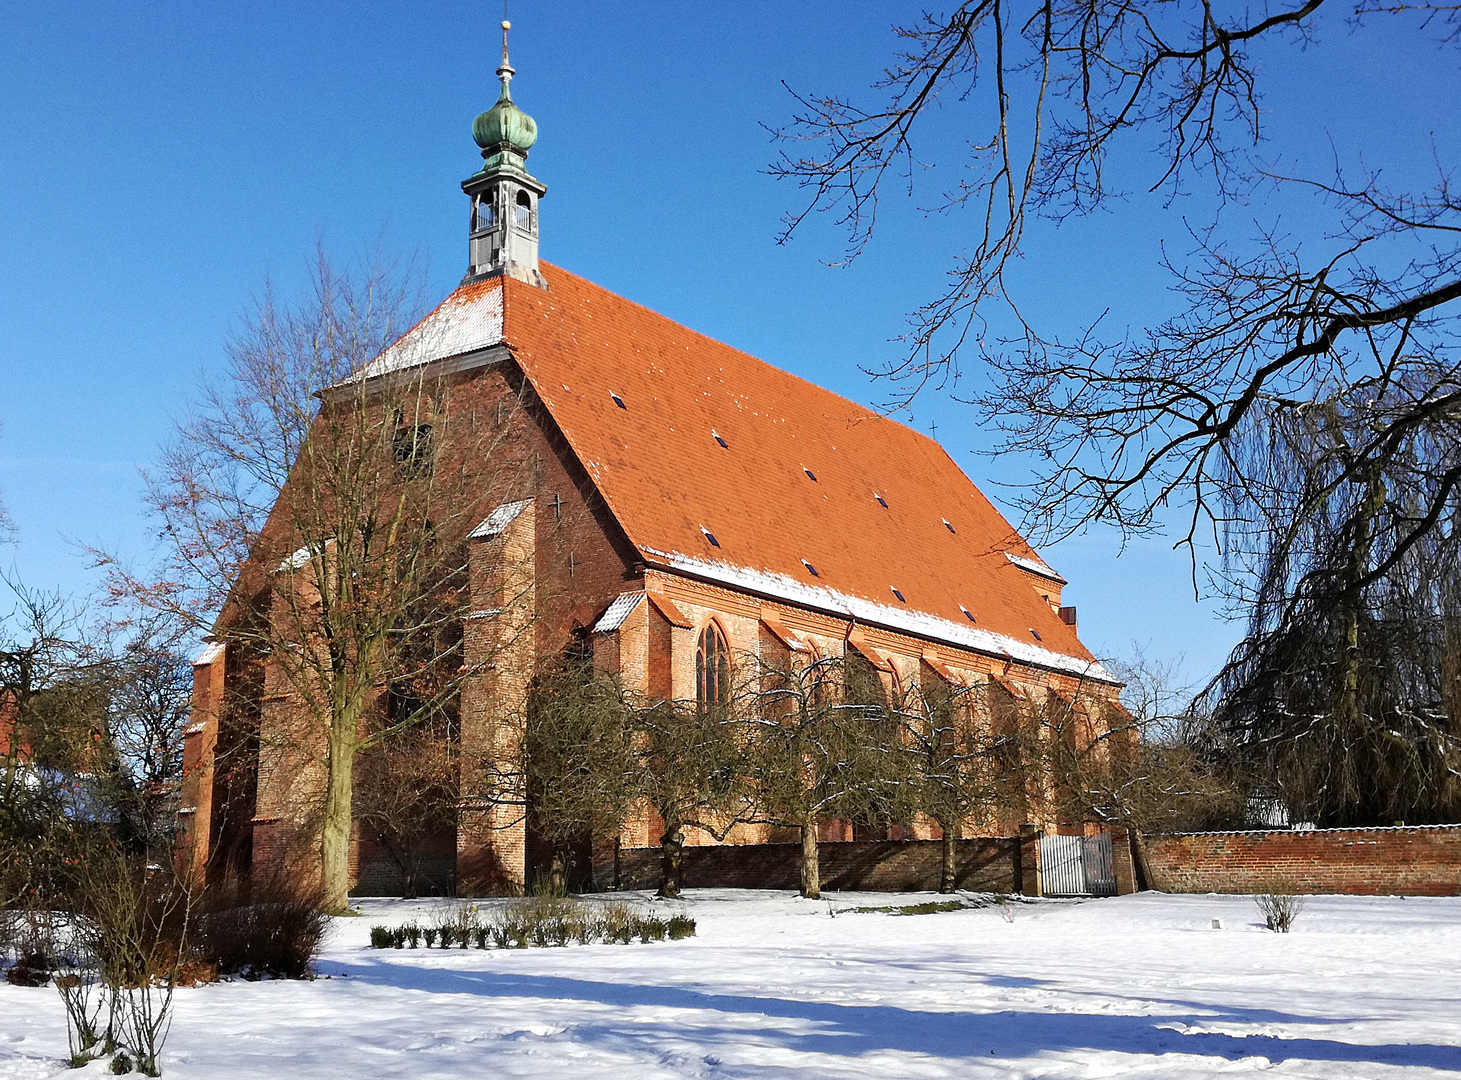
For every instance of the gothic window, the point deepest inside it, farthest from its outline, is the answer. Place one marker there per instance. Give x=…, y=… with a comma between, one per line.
x=524, y=210
x=412, y=445
x=712, y=667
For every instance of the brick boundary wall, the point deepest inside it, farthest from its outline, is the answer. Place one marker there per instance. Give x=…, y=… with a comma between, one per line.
x=1402, y=860
x=990, y=864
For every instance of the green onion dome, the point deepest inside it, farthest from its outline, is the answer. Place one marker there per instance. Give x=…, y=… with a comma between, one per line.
x=505, y=123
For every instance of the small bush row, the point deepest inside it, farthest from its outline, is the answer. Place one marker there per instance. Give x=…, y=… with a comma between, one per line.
x=533, y=922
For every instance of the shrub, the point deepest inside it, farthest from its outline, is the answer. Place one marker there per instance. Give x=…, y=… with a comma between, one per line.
x=32, y=969
x=278, y=938
x=540, y=920
x=616, y=923
x=1279, y=909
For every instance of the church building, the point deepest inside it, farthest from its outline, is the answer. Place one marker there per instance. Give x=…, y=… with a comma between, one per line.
x=719, y=507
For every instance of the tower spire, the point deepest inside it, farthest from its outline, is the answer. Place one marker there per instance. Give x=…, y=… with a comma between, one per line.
x=504, y=225
x=505, y=72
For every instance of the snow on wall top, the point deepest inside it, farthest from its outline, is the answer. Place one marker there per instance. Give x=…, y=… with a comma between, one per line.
x=499, y=519
x=618, y=611
x=1035, y=566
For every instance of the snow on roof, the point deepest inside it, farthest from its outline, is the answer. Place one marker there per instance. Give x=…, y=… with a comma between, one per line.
x=618, y=611
x=499, y=519
x=211, y=652
x=819, y=598
x=467, y=320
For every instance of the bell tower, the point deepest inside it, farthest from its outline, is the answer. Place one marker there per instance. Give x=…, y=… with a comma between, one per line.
x=504, y=222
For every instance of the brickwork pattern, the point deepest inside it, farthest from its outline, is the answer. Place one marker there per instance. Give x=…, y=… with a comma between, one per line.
x=1361, y=862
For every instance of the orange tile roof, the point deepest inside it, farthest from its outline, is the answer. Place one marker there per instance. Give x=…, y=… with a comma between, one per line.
x=660, y=465
x=668, y=480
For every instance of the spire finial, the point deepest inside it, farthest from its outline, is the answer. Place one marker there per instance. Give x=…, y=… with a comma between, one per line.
x=505, y=72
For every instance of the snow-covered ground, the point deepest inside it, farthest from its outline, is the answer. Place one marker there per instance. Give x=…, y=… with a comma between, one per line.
x=775, y=986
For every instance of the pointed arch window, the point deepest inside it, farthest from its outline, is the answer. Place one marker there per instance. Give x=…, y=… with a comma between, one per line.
x=712, y=667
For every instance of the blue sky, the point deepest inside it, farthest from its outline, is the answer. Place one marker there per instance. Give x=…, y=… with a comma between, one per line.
x=161, y=160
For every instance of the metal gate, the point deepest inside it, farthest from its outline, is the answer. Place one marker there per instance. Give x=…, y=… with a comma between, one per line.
x=1077, y=865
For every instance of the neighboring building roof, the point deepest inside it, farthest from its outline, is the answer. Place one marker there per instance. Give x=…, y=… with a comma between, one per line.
x=720, y=465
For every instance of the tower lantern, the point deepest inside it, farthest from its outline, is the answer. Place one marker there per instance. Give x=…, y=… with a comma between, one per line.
x=504, y=222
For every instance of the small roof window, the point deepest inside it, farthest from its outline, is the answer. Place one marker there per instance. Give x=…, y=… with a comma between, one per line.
x=618, y=400
x=898, y=594
x=1035, y=634
x=710, y=536
x=967, y=613
x=810, y=475
x=881, y=501
x=948, y=526
x=810, y=568
x=716, y=436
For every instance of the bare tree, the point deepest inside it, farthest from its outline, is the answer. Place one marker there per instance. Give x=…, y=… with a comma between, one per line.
x=691, y=768
x=150, y=684
x=578, y=766
x=406, y=790
x=1304, y=403
x=964, y=768
x=53, y=705
x=825, y=746
x=316, y=519
x=1148, y=768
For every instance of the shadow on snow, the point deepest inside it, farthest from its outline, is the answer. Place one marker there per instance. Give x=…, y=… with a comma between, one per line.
x=851, y=1030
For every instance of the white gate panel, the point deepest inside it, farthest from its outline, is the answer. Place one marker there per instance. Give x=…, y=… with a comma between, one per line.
x=1077, y=865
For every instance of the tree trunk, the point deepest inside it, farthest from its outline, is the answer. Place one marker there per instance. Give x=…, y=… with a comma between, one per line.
x=335, y=836
x=811, y=872
x=671, y=857
x=1141, y=864
x=947, y=871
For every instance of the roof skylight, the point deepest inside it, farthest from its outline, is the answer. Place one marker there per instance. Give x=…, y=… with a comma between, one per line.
x=881, y=501
x=710, y=536
x=618, y=400
x=967, y=613
x=899, y=595
x=716, y=436
x=1035, y=634
x=948, y=526
x=810, y=568
x=810, y=475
